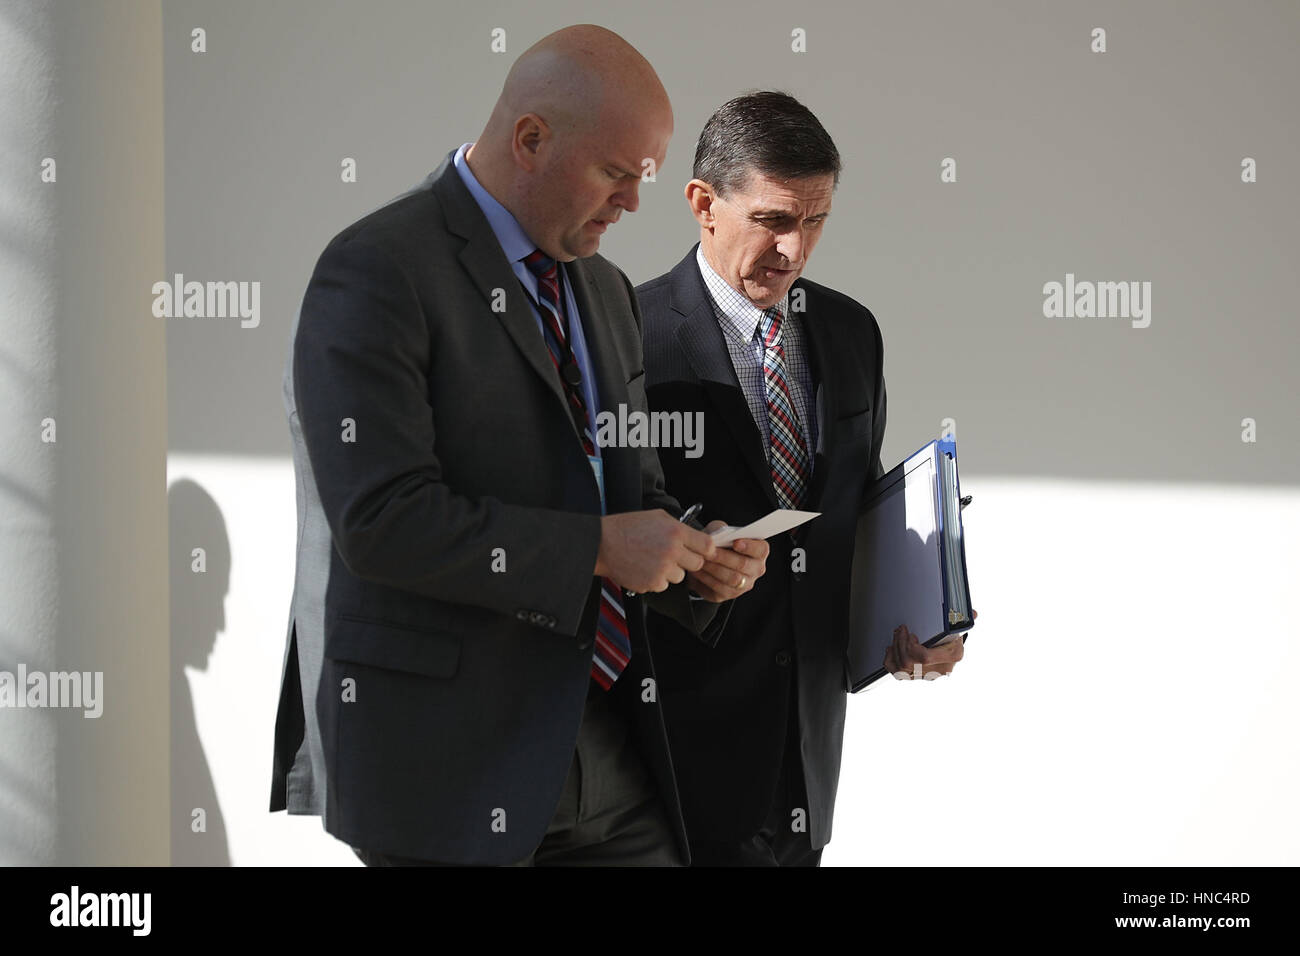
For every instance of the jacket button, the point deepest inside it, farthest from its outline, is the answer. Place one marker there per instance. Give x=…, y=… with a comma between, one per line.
x=585, y=645
x=550, y=622
x=521, y=614
x=783, y=658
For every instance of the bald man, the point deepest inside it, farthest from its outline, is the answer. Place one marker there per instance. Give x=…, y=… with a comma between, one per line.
x=468, y=622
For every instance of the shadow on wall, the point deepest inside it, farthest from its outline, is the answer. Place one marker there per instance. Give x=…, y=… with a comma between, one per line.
x=200, y=577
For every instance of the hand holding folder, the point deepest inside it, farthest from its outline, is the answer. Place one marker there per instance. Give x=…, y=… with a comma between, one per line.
x=908, y=659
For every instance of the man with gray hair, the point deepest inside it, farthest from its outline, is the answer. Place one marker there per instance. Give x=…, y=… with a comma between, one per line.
x=789, y=377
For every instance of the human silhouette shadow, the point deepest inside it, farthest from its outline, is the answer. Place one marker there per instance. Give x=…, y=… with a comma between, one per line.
x=197, y=614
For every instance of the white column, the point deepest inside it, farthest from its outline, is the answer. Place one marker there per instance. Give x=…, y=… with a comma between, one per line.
x=83, y=521
x=28, y=553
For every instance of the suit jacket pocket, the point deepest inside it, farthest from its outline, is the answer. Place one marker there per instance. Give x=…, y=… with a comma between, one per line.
x=392, y=646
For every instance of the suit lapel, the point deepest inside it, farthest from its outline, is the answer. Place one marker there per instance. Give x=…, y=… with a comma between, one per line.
x=700, y=338
x=487, y=266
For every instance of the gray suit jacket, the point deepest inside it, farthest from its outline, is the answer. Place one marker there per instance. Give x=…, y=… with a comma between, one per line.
x=299, y=781
x=467, y=685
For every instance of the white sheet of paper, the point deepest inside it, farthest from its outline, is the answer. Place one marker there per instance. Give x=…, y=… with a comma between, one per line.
x=783, y=519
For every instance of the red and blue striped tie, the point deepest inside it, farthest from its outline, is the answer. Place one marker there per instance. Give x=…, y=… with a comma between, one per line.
x=789, y=457
x=613, y=646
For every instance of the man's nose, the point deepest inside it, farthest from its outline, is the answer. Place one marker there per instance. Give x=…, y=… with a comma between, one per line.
x=627, y=197
x=790, y=246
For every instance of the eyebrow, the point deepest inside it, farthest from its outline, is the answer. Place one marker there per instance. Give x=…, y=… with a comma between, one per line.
x=784, y=214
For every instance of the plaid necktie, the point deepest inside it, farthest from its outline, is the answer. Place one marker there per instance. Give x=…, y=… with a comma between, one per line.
x=613, y=646
x=789, y=452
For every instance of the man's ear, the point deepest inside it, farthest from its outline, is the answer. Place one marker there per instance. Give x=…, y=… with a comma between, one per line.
x=529, y=132
x=700, y=197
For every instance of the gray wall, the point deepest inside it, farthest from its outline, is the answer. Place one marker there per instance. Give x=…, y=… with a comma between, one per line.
x=1114, y=166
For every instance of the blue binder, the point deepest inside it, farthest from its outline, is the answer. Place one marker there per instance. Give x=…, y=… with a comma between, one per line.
x=909, y=560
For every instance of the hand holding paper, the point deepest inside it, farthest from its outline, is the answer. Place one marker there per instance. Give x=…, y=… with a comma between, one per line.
x=773, y=523
x=734, y=569
x=742, y=554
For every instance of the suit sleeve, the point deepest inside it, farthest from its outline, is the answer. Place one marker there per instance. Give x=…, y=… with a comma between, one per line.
x=878, y=416
x=878, y=432
x=361, y=359
x=704, y=619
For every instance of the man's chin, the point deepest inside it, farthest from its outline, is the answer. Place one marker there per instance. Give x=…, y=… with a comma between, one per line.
x=582, y=249
x=766, y=295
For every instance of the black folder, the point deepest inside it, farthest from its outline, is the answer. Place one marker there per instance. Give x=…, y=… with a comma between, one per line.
x=909, y=560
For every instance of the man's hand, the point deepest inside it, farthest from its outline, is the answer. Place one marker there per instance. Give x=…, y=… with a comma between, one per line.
x=649, y=550
x=908, y=659
x=732, y=571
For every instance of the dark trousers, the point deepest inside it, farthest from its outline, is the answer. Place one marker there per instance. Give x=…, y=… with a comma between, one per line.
x=610, y=812
x=778, y=842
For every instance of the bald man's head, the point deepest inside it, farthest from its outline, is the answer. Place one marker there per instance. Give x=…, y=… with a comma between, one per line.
x=566, y=144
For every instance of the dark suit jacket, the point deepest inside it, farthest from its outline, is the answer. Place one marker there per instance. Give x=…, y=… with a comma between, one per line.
x=727, y=703
x=450, y=694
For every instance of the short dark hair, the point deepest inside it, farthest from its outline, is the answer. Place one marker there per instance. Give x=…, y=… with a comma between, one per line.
x=767, y=132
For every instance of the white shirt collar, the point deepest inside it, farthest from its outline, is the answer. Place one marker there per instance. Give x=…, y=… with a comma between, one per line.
x=736, y=313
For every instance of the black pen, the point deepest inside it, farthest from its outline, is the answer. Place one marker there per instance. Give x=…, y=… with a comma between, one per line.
x=687, y=515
